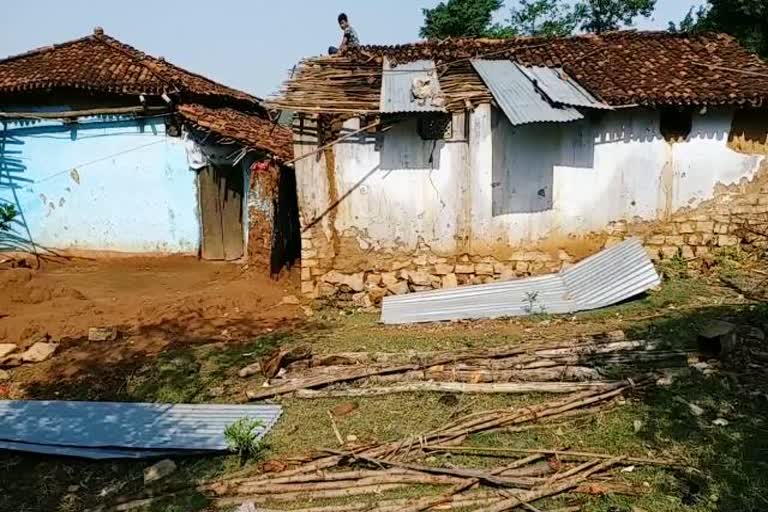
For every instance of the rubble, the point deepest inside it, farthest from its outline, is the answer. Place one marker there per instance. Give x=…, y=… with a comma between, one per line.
x=6, y=349
x=102, y=334
x=159, y=471
x=39, y=352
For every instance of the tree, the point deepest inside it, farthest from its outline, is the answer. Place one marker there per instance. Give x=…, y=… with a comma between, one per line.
x=604, y=15
x=550, y=18
x=462, y=18
x=746, y=20
x=7, y=214
x=691, y=21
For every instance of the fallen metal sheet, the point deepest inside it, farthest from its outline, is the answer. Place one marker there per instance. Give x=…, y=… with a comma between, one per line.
x=518, y=97
x=123, y=430
x=559, y=87
x=90, y=453
x=609, y=277
x=397, y=86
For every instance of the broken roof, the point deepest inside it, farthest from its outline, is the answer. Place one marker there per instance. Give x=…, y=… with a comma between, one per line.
x=102, y=64
x=242, y=128
x=618, y=68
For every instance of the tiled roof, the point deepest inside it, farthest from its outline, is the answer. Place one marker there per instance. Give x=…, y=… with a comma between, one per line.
x=247, y=129
x=620, y=68
x=101, y=63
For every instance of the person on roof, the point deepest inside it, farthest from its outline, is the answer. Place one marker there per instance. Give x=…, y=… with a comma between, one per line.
x=350, y=39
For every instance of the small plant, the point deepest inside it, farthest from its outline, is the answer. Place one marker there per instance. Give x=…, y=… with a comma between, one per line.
x=7, y=214
x=674, y=268
x=531, y=300
x=243, y=438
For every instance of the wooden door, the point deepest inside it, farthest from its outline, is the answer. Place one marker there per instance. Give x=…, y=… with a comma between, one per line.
x=221, y=211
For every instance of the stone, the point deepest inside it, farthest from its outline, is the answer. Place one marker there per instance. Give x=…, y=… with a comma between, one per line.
x=564, y=256
x=290, y=300
x=389, y=279
x=687, y=252
x=248, y=371
x=449, y=281
x=465, y=269
x=307, y=244
x=39, y=352
x=399, y=288
x=685, y=228
x=6, y=349
x=721, y=229
x=306, y=274
x=307, y=311
x=159, y=471
x=308, y=253
x=309, y=263
x=484, y=269
x=443, y=269
x=695, y=409
x=73, y=488
x=373, y=279
x=308, y=288
x=362, y=300
x=399, y=265
x=326, y=290
x=702, y=251
x=420, y=260
x=656, y=240
x=727, y=240
x=420, y=288
x=653, y=253
x=419, y=278
x=507, y=275
x=521, y=267
x=720, y=422
x=344, y=409
x=356, y=282
x=674, y=240
x=4, y=376
x=637, y=426
x=705, y=227
x=377, y=294
x=670, y=252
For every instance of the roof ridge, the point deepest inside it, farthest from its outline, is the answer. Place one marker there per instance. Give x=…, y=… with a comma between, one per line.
x=44, y=49
x=134, y=54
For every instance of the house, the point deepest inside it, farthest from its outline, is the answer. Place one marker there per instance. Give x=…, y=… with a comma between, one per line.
x=105, y=149
x=468, y=161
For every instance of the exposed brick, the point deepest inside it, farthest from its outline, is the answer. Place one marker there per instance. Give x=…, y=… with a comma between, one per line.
x=484, y=269
x=727, y=240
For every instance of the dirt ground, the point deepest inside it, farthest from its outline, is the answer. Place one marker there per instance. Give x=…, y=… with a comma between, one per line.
x=153, y=302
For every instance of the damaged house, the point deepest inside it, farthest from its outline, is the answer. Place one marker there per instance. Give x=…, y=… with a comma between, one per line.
x=438, y=164
x=106, y=149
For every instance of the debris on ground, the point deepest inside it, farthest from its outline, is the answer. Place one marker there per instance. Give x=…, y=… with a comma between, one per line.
x=6, y=349
x=251, y=369
x=563, y=367
x=717, y=338
x=158, y=471
x=290, y=300
x=374, y=468
x=4, y=376
x=102, y=334
x=39, y=352
x=273, y=363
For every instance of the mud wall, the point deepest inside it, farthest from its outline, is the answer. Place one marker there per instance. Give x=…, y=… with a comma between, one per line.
x=472, y=215
x=117, y=185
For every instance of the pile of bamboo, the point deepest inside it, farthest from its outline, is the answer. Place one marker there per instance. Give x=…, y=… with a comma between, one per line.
x=559, y=368
x=372, y=469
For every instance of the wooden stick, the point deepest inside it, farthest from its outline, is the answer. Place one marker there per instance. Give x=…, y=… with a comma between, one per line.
x=559, y=453
x=550, y=490
x=458, y=387
x=68, y=114
x=333, y=143
x=335, y=429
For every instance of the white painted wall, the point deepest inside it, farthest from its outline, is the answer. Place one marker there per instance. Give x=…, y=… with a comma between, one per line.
x=606, y=169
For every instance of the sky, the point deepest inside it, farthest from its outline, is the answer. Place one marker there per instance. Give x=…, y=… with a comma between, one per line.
x=248, y=44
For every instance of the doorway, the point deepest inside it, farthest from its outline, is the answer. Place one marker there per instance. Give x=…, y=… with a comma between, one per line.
x=221, y=210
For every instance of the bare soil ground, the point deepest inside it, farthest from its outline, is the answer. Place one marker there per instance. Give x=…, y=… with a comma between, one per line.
x=153, y=302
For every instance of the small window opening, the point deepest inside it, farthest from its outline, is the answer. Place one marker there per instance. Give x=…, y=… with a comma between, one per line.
x=676, y=124
x=435, y=127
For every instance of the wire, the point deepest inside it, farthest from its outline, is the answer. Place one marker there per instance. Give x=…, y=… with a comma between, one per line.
x=80, y=166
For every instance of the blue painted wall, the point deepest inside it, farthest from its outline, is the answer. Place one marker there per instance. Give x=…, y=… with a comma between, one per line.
x=114, y=185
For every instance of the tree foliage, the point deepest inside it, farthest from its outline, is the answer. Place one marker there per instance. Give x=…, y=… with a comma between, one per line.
x=462, y=18
x=7, y=214
x=746, y=20
x=543, y=18
x=604, y=15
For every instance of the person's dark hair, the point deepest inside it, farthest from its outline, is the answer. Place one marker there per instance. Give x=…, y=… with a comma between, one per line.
x=343, y=17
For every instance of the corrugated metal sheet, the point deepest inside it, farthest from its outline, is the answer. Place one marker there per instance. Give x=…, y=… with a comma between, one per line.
x=397, y=86
x=616, y=274
x=518, y=97
x=82, y=427
x=556, y=85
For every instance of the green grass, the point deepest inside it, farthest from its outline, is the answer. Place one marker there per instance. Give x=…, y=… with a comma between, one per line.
x=729, y=469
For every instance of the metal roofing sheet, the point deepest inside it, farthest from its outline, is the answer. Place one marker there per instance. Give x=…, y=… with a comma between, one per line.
x=518, y=97
x=397, y=88
x=559, y=87
x=611, y=276
x=135, y=426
